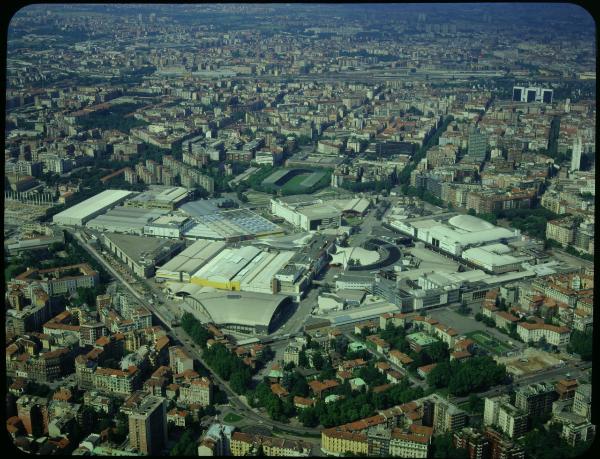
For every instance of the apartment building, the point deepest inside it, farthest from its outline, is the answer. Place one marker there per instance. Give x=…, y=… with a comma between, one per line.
x=116, y=381
x=60, y=280
x=582, y=402
x=338, y=442
x=511, y=420
x=412, y=444
x=148, y=426
x=447, y=417
x=33, y=413
x=180, y=360
x=536, y=399
x=491, y=409
x=477, y=445
x=557, y=336
x=243, y=444
x=198, y=391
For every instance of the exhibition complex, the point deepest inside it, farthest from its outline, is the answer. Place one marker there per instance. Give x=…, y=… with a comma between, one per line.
x=241, y=270
x=470, y=238
x=149, y=233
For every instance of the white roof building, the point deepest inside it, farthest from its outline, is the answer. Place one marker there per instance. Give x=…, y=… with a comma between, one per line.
x=83, y=212
x=457, y=234
x=190, y=260
x=248, y=312
x=493, y=258
x=224, y=267
x=258, y=275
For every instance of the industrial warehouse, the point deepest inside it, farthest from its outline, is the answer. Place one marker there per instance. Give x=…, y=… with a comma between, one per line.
x=141, y=254
x=246, y=268
x=129, y=220
x=184, y=265
x=81, y=213
x=161, y=197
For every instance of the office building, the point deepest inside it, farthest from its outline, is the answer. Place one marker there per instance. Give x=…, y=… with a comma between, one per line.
x=477, y=146
x=532, y=94
x=576, y=155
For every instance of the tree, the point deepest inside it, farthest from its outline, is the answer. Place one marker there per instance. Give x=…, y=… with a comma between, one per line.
x=317, y=360
x=298, y=385
x=289, y=366
x=438, y=351
x=185, y=446
x=340, y=344
x=308, y=417
x=302, y=359
x=38, y=389
x=240, y=380
x=439, y=376
x=475, y=404
x=118, y=434
x=581, y=343
x=442, y=447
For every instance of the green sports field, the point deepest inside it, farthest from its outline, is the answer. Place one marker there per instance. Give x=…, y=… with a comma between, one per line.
x=488, y=342
x=293, y=185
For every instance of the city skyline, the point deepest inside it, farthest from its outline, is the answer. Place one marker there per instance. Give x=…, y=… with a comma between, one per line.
x=291, y=229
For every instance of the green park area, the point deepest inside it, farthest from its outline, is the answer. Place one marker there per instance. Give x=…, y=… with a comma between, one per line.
x=117, y=116
x=232, y=418
x=488, y=342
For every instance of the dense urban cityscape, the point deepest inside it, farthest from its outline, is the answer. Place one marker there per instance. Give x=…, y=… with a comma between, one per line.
x=300, y=230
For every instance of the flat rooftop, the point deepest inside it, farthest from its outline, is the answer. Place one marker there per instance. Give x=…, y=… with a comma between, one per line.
x=194, y=257
x=227, y=264
x=125, y=219
x=166, y=194
x=100, y=201
x=231, y=224
x=422, y=339
x=137, y=246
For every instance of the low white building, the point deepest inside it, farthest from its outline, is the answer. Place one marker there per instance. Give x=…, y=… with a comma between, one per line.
x=171, y=226
x=83, y=212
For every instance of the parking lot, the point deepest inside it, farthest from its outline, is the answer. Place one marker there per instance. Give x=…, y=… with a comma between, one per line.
x=465, y=324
